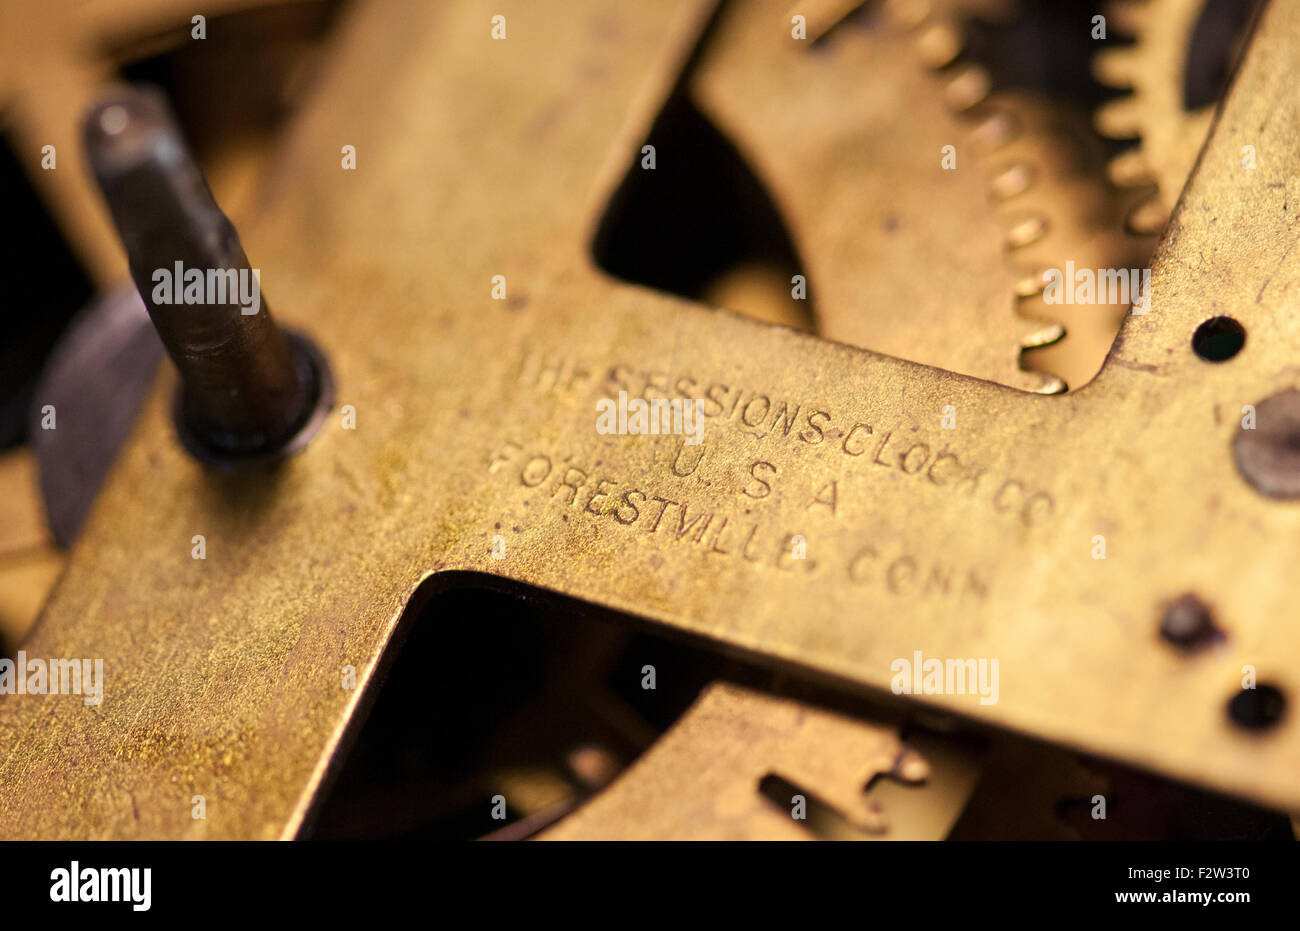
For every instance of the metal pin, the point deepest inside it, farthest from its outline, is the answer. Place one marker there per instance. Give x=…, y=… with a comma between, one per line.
x=1188, y=622
x=247, y=389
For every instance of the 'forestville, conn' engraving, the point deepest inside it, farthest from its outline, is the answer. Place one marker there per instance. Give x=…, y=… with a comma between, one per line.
x=718, y=531
x=650, y=510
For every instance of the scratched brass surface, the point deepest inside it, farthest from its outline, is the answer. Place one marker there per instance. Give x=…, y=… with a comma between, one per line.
x=223, y=675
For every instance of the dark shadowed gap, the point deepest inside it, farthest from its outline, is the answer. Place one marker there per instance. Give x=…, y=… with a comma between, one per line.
x=45, y=285
x=698, y=216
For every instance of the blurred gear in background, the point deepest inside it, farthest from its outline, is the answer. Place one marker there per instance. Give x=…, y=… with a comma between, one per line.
x=1172, y=76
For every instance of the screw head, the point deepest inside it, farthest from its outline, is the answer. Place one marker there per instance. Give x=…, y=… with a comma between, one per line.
x=1268, y=457
x=1188, y=622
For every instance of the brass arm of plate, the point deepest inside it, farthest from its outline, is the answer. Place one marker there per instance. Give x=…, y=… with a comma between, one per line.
x=475, y=418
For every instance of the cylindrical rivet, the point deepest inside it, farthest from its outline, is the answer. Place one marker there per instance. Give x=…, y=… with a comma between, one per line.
x=247, y=389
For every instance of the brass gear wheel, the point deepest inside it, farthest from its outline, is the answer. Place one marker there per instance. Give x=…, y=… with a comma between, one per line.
x=941, y=267
x=1154, y=72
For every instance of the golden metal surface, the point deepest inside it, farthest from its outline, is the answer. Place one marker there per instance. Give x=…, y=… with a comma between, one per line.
x=223, y=675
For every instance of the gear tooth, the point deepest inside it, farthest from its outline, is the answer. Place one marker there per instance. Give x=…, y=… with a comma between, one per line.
x=1026, y=231
x=1130, y=169
x=1116, y=67
x=1042, y=383
x=1147, y=218
x=1032, y=284
x=1119, y=119
x=909, y=13
x=1012, y=180
x=939, y=45
x=1126, y=17
x=995, y=131
x=1044, y=335
x=968, y=88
